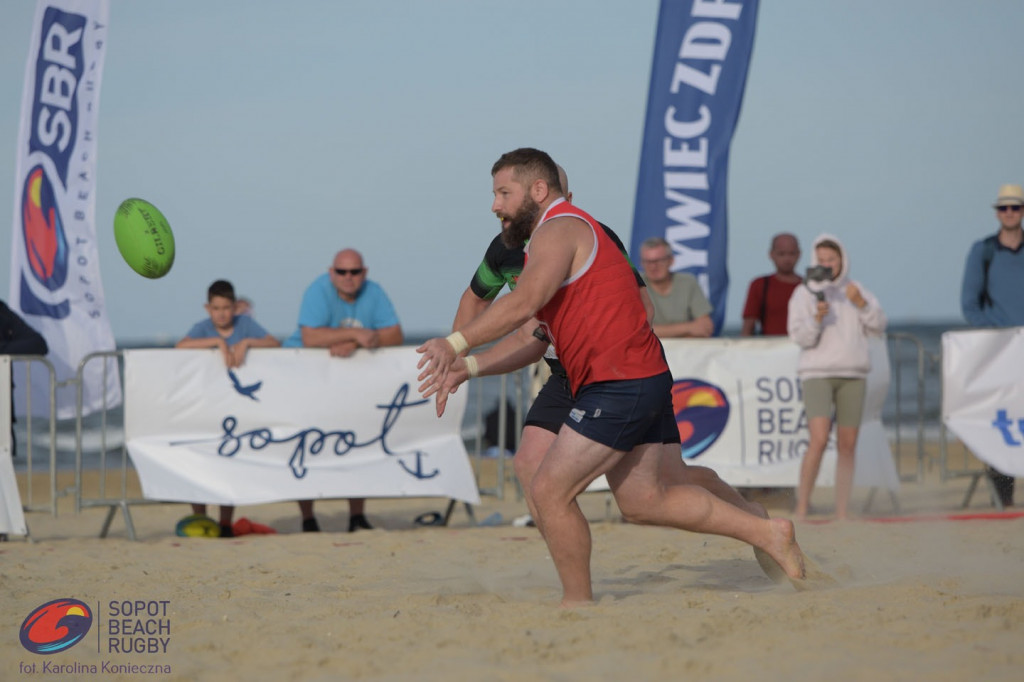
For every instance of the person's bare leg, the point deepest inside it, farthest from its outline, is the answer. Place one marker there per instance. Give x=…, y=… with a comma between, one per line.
x=846, y=447
x=533, y=445
x=672, y=469
x=569, y=466
x=818, y=428
x=642, y=498
x=536, y=441
x=356, y=505
x=199, y=509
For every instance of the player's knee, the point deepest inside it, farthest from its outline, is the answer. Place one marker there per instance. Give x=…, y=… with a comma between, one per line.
x=538, y=488
x=524, y=468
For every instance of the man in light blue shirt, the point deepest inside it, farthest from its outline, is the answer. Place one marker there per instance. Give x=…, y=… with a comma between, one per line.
x=990, y=295
x=342, y=310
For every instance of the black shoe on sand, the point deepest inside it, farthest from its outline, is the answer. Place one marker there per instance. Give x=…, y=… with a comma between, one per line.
x=358, y=522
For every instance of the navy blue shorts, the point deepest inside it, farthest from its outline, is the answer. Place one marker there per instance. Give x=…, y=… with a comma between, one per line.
x=550, y=409
x=627, y=413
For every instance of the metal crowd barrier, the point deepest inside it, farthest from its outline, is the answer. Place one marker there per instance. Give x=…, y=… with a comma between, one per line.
x=955, y=460
x=28, y=496
x=119, y=499
x=896, y=343
x=503, y=473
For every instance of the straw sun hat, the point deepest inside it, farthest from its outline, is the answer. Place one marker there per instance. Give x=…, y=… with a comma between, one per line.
x=1010, y=195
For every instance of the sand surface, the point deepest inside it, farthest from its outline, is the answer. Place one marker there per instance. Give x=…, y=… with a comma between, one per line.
x=924, y=596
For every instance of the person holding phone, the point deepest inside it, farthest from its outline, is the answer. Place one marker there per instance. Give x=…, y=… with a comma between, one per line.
x=830, y=318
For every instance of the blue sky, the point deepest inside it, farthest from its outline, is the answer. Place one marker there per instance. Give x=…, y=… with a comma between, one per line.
x=273, y=134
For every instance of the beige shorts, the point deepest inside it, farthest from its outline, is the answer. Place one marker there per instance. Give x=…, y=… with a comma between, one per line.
x=846, y=394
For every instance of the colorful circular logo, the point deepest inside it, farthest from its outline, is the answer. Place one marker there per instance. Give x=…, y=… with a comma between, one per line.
x=46, y=245
x=56, y=626
x=702, y=412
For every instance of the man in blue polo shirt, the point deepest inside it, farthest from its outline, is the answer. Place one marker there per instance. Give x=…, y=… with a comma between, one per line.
x=990, y=295
x=342, y=310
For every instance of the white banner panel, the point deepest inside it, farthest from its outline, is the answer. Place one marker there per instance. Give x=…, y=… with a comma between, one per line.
x=983, y=394
x=12, y=518
x=290, y=424
x=55, y=271
x=740, y=412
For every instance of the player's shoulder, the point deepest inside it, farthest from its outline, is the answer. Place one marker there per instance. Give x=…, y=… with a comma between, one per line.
x=497, y=251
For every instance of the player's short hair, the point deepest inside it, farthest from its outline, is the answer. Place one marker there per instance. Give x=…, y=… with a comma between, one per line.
x=529, y=164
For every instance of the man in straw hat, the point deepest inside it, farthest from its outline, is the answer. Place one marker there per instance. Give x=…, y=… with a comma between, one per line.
x=990, y=295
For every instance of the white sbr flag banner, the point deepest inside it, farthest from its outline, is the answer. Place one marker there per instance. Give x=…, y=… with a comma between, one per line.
x=983, y=394
x=290, y=424
x=55, y=272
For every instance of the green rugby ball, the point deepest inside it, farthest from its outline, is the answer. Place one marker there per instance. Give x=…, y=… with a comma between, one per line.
x=144, y=238
x=197, y=526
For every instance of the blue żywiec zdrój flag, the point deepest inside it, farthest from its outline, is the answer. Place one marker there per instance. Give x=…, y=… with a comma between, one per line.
x=701, y=55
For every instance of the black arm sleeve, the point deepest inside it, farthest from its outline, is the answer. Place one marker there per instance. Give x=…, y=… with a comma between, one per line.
x=618, y=242
x=16, y=337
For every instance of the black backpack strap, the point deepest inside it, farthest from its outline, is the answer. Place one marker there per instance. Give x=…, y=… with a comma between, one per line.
x=764, y=300
x=988, y=252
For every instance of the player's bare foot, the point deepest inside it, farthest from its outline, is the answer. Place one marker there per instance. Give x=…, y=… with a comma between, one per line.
x=770, y=566
x=783, y=549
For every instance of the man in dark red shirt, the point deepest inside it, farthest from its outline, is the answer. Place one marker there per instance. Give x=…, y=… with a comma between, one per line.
x=768, y=297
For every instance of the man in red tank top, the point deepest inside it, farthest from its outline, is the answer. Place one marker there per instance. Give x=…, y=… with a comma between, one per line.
x=574, y=288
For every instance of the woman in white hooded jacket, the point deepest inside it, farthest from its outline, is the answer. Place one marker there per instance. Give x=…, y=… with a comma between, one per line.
x=830, y=320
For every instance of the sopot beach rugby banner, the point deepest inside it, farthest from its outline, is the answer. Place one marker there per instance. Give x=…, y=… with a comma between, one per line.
x=55, y=273
x=701, y=56
x=983, y=394
x=290, y=424
x=740, y=411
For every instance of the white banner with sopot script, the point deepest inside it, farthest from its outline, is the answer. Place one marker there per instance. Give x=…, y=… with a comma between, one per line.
x=290, y=424
x=740, y=411
x=983, y=394
x=55, y=280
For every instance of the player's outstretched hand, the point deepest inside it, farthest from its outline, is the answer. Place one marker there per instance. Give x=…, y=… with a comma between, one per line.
x=456, y=376
x=438, y=356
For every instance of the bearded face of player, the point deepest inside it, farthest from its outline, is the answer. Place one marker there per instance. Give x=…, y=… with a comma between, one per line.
x=515, y=229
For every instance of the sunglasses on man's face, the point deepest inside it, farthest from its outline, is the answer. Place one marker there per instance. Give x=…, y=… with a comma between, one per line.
x=354, y=271
x=1004, y=209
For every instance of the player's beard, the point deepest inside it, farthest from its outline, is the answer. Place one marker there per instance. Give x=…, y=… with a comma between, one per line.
x=521, y=224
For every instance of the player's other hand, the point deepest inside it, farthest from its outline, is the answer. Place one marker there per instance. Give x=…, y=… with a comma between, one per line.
x=438, y=357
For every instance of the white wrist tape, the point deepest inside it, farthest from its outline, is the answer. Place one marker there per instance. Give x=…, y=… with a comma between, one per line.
x=458, y=342
x=472, y=366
